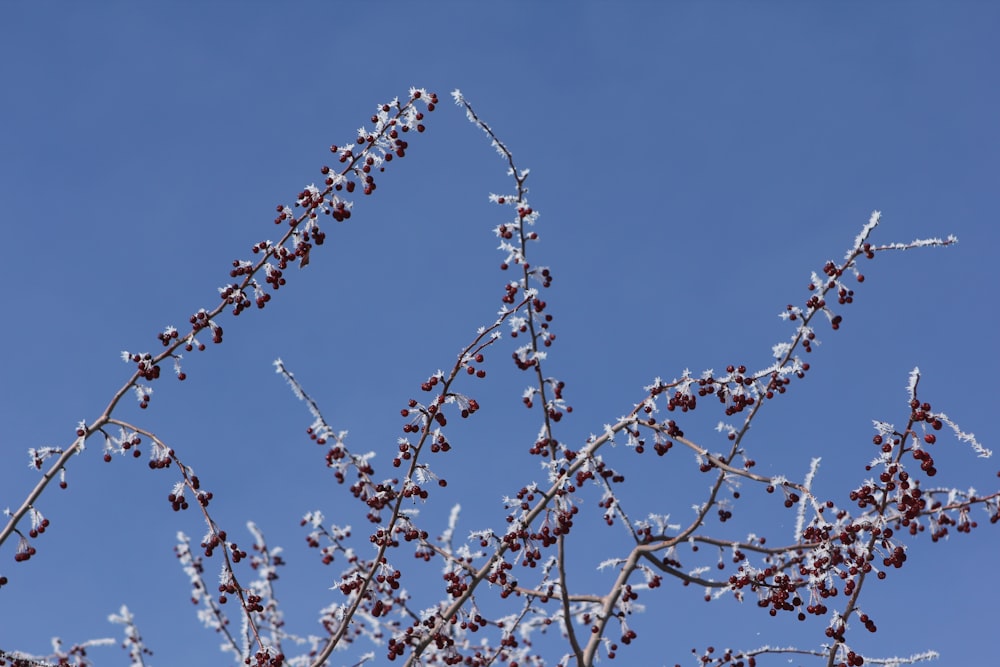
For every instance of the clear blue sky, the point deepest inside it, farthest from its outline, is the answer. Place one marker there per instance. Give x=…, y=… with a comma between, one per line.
x=693, y=163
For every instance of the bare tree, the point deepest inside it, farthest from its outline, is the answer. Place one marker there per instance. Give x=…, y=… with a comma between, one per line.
x=507, y=585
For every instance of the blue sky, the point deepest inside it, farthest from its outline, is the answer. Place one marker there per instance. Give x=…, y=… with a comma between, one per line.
x=693, y=163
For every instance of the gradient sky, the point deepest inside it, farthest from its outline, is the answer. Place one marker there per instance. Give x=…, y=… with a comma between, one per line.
x=693, y=163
